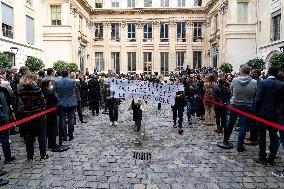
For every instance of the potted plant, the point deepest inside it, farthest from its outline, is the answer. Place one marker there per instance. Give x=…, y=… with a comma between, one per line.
x=34, y=64
x=256, y=63
x=4, y=61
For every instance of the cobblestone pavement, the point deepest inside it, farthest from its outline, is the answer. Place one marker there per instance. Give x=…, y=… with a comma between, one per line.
x=102, y=157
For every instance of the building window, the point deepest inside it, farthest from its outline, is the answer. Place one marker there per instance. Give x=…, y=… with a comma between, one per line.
x=147, y=63
x=243, y=12
x=164, y=33
x=197, y=59
x=181, y=31
x=115, y=32
x=115, y=62
x=7, y=20
x=147, y=3
x=30, y=2
x=131, y=32
x=197, y=31
x=55, y=14
x=181, y=3
x=198, y=3
x=82, y=58
x=276, y=25
x=115, y=3
x=131, y=3
x=147, y=32
x=99, y=32
x=180, y=60
x=215, y=55
x=99, y=4
x=30, y=30
x=164, y=3
x=215, y=23
x=164, y=63
x=80, y=23
x=99, y=61
x=131, y=59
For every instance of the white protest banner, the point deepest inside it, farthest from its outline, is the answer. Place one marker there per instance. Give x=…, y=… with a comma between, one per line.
x=143, y=90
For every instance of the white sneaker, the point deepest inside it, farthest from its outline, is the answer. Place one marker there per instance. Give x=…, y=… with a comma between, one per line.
x=111, y=123
x=115, y=123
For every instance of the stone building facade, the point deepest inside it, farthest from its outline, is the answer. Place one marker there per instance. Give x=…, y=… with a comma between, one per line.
x=140, y=36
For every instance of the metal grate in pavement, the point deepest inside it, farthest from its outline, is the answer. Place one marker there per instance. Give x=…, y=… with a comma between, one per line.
x=142, y=156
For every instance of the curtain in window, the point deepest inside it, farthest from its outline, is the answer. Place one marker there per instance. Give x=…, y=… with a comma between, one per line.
x=7, y=14
x=30, y=30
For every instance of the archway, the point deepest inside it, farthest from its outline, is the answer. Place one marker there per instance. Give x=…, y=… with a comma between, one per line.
x=267, y=59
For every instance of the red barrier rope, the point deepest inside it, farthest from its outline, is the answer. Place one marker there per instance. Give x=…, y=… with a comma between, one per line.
x=266, y=122
x=9, y=125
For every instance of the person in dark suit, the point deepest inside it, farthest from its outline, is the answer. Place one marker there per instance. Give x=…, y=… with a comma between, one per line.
x=65, y=89
x=94, y=95
x=266, y=104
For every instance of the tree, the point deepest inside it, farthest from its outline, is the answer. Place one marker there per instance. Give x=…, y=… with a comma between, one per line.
x=34, y=64
x=277, y=60
x=256, y=63
x=4, y=61
x=73, y=67
x=226, y=68
x=60, y=65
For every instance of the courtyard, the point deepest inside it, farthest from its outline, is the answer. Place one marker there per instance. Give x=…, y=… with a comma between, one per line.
x=101, y=156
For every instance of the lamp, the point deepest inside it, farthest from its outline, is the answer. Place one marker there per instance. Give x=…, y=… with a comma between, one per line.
x=282, y=49
x=14, y=50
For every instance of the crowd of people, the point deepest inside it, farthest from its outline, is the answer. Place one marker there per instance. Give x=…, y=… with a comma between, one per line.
x=24, y=93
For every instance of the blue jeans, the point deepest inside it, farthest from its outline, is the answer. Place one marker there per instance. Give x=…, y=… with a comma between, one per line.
x=243, y=121
x=189, y=105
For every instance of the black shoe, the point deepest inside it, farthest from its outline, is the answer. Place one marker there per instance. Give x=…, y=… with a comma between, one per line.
x=83, y=121
x=3, y=182
x=8, y=160
x=2, y=173
x=241, y=149
x=271, y=162
x=71, y=138
x=189, y=123
x=138, y=129
x=261, y=161
x=42, y=159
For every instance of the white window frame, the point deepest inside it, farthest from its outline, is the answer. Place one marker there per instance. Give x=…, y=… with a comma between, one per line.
x=148, y=62
x=131, y=63
x=115, y=34
x=148, y=31
x=164, y=34
x=165, y=3
x=99, y=61
x=179, y=62
x=164, y=57
x=131, y=35
x=115, y=3
x=274, y=36
x=148, y=3
x=115, y=61
x=131, y=3
x=7, y=21
x=181, y=3
x=197, y=31
x=58, y=15
x=181, y=37
x=99, y=31
x=32, y=35
x=98, y=4
x=242, y=12
x=197, y=56
x=197, y=3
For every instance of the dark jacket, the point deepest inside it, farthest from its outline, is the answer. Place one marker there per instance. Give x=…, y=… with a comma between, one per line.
x=281, y=102
x=84, y=93
x=65, y=89
x=222, y=94
x=94, y=91
x=31, y=99
x=267, y=98
x=50, y=98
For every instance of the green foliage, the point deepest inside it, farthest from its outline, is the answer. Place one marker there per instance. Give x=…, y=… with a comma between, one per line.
x=277, y=60
x=4, y=61
x=60, y=65
x=226, y=68
x=73, y=67
x=34, y=64
x=256, y=63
